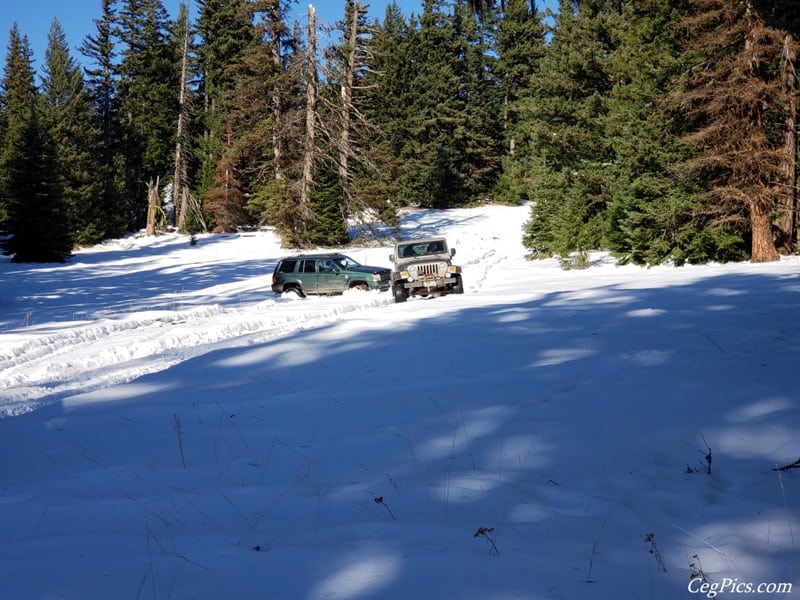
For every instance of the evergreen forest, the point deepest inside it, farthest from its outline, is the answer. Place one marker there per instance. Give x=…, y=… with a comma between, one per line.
x=661, y=130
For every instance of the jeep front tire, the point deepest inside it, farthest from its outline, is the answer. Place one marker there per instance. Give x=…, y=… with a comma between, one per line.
x=399, y=292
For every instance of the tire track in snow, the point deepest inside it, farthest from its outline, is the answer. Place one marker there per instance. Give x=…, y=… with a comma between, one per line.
x=38, y=368
x=41, y=369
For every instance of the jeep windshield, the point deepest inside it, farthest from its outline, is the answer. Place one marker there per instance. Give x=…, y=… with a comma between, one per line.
x=420, y=249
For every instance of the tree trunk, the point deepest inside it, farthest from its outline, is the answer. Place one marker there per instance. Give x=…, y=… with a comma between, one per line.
x=763, y=246
x=180, y=190
x=762, y=210
x=787, y=220
x=152, y=207
x=309, y=148
x=276, y=29
x=348, y=78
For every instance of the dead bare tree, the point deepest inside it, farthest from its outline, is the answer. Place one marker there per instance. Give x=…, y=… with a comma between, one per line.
x=309, y=147
x=346, y=99
x=180, y=187
x=185, y=205
x=154, y=210
x=276, y=28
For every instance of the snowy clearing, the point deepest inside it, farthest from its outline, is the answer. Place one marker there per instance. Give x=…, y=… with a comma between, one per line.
x=171, y=429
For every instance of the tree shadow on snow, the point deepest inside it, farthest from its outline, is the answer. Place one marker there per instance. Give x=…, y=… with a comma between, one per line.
x=569, y=429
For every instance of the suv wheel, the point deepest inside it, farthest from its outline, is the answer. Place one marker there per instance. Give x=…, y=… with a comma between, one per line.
x=294, y=291
x=360, y=285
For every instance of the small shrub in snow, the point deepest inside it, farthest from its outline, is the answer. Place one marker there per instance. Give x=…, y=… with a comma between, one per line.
x=794, y=465
x=379, y=500
x=484, y=533
x=650, y=539
x=696, y=570
x=707, y=459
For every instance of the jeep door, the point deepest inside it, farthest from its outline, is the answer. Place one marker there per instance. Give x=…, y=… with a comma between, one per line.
x=331, y=278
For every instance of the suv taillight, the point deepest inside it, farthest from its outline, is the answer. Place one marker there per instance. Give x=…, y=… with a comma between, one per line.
x=274, y=279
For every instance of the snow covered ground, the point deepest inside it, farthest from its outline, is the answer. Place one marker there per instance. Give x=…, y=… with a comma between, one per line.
x=171, y=429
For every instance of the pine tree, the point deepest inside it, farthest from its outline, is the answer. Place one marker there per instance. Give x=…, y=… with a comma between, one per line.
x=326, y=227
x=480, y=143
x=30, y=185
x=785, y=17
x=520, y=45
x=383, y=97
x=266, y=120
x=225, y=200
x=352, y=142
x=655, y=213
x=386, y=98
x=225, y=33
x=148, y=80
x=453, y=151
x=68, y=115
x=3, y=136
x=102, y=88
x=570, y=161
x=736, y=101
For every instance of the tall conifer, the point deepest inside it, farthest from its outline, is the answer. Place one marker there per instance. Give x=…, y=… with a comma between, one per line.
x=148, y=81
x=30, y=184
x=225, y=32
x=737, y=102
x=520, y=46
x=101, y=83
x=570, y=160
x=68, y=115
x=452, y=155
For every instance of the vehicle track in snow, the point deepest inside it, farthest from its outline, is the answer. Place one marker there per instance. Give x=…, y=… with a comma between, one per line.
x=40, y=367
x=115, y=343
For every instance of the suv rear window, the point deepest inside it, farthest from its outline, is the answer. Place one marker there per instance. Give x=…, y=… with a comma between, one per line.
x=287, y=266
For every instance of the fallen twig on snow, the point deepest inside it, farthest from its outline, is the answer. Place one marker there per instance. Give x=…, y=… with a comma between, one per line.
x=794, y=465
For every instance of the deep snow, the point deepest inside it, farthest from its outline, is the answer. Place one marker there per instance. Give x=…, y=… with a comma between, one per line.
x=171, y=429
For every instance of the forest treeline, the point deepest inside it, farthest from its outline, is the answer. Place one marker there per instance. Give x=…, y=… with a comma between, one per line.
x=663, y=130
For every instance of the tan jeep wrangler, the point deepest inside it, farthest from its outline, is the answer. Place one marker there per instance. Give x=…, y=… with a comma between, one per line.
x=424, y=267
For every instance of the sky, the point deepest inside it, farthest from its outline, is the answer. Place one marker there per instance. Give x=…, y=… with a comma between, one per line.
x=34, y=18
x=170, y=428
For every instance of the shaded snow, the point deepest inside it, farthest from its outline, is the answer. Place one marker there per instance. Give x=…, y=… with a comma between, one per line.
x=174, y=430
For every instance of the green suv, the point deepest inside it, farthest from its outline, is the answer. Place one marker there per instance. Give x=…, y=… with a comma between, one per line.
x=327, y=274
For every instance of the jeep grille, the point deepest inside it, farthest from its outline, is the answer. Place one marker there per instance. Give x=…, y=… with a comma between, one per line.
x=428, y=270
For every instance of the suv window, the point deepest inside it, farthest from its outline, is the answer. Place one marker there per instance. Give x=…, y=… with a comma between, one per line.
x=287, y=266
x=309, y=266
